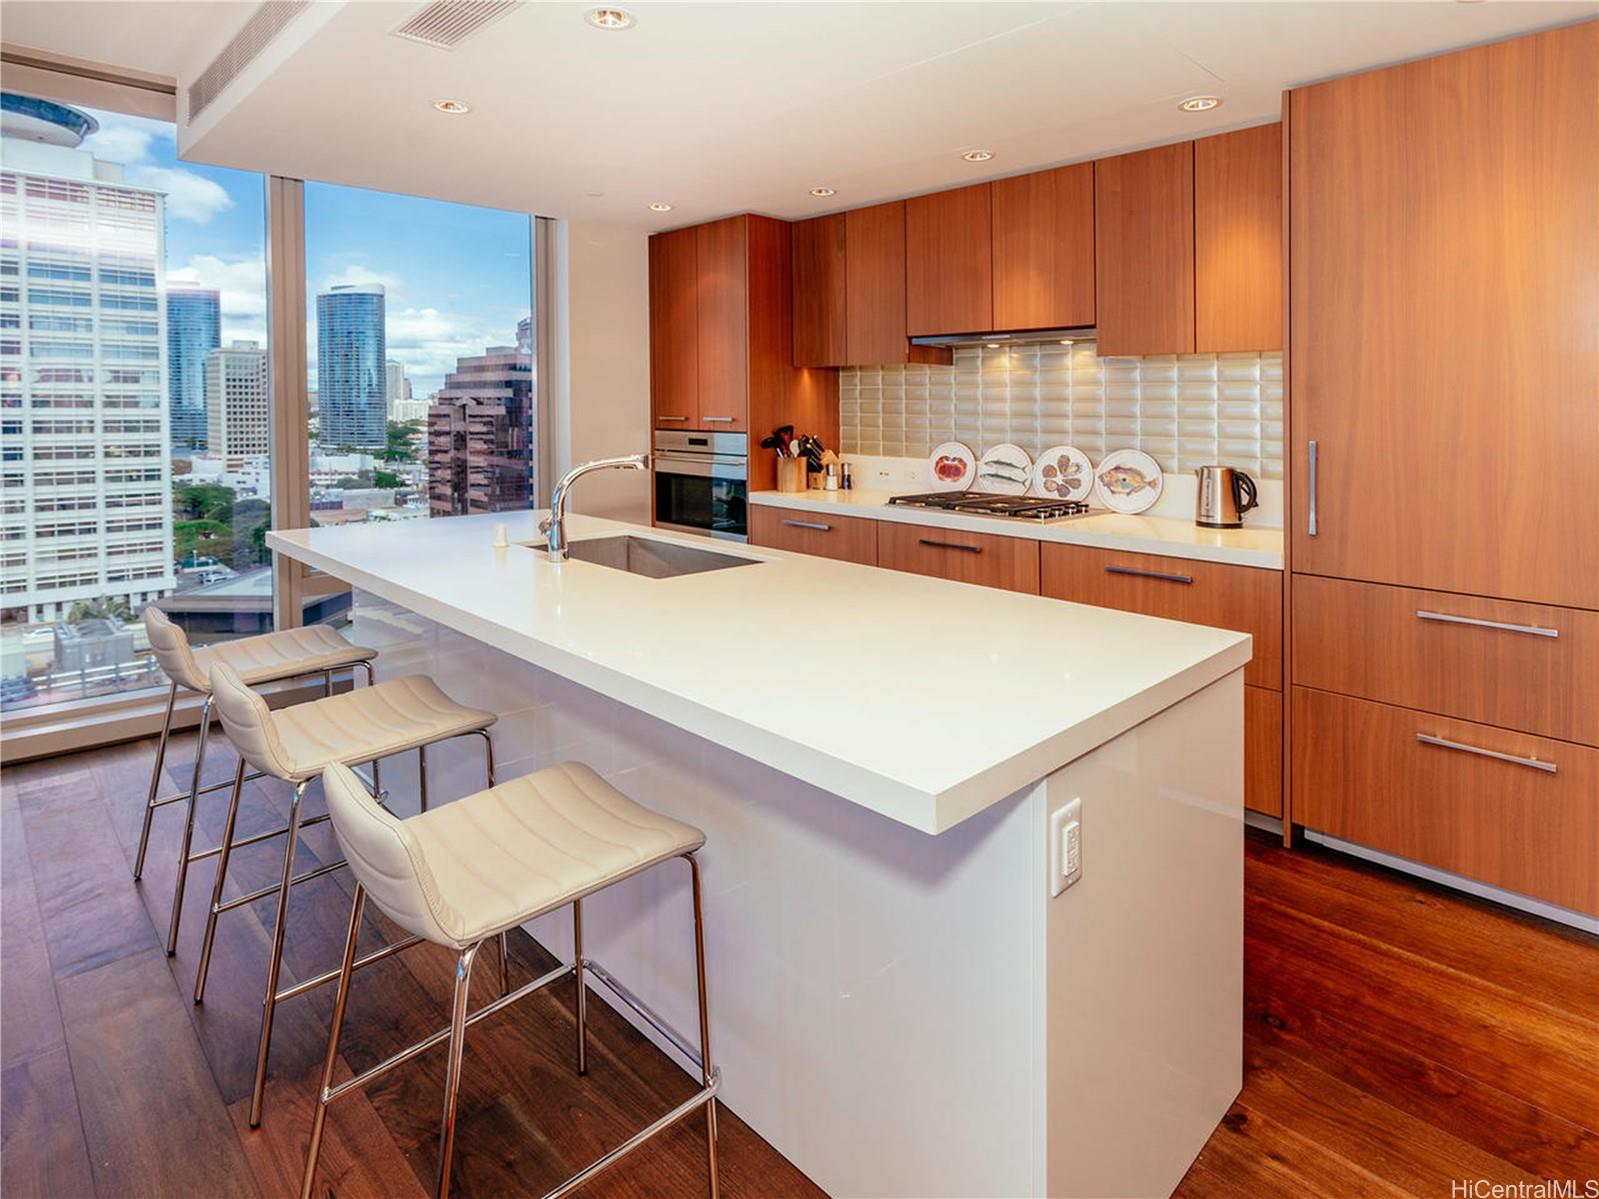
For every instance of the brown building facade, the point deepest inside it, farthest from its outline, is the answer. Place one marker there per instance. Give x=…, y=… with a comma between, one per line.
x=480, y=435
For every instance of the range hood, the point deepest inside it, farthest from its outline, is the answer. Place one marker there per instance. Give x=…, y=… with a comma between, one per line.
x=1023, y=338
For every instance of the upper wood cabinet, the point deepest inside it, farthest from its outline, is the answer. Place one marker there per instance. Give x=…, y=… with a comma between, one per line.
x=1144, y=251
x=674, y=330
x=1445, y=280
x=949, y=262
x=819, y=291
x=723, y=333
x=1043, y=249
x=1238, y=240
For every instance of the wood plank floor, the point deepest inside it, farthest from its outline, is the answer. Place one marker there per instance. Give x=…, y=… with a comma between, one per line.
x=1397, y=1036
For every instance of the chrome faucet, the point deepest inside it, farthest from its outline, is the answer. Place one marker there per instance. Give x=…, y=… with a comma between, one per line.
x=553, y=526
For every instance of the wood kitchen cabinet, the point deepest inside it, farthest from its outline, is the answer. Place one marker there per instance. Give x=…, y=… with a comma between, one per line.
x=674, y=330
x=1144, y=251
x=1238, y=240
x=725, y=323
x=846, y=538
x=820, y=292
x=949, y=262
x=1043, y=249
x=988, y=559
x=1445, y=280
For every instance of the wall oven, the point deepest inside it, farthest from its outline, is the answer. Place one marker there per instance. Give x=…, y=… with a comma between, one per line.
x=702, y=483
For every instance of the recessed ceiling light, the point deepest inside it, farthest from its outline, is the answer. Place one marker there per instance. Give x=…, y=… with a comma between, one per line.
x=978, y=155
x=609, y=18
x=1065, y=341
x=993, y=345
x=454, y=107
x=1200, y=103
x=660, y=206
x=821, y=193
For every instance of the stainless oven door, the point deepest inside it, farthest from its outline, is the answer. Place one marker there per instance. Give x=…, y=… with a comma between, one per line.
x=702, y=493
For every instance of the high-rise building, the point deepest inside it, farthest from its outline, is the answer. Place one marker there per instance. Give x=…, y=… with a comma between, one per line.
x=237, y=420
x=352, y=381
x=480, y=435
x=524, y=335
x=83, y=384
x=194, y=329
x=397, y=388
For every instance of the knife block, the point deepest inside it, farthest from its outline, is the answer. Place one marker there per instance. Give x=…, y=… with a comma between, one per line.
x=791, y=474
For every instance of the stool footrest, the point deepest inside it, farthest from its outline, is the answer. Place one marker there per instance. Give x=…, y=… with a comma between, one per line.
x=377, y=955
x=257, y=838
x=704, y=1095
x=276, y=887
x=405, y=1055
x=645, y=1012
x=206, y=790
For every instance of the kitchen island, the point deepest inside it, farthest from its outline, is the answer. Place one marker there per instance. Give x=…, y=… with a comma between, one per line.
x=902, y=1003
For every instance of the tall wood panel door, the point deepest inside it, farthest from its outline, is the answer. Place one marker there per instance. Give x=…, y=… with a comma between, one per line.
x=1043, y=226
x=674, y=330
x=874, y=290
x=949, y=262
x=722, y=249
x=1144, y=251
x=1238, y=240
x=1445, y=280
x=819, y=291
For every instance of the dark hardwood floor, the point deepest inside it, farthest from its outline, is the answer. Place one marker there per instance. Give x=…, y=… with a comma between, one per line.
x=1397, y=1036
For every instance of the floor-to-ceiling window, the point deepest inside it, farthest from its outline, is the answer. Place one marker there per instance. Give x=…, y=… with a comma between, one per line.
x=133, y=393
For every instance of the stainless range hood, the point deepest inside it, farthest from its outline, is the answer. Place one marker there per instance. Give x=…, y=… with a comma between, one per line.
x=1026, y=337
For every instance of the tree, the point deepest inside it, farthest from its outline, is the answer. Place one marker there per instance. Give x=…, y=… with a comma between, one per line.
x=386, y=479
x=202, y=538
x=202, y=501
x=107, y=607
x=251, y=520
x=402, y=441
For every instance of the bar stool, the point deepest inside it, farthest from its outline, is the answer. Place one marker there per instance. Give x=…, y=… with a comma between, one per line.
x=295, y=745
x=268, y=658
x=472, y=869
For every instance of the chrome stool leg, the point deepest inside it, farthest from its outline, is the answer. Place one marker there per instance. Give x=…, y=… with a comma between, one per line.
x=582, y=988
x=216, y=886
x=706, y=1072
x=188, y=828
x=452, y=1076
x=340, y=1002
x=150, y=804
x=422, y=777
x=275, y=962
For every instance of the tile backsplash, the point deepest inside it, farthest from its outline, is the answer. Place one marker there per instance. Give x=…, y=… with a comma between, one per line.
x=1183, y=410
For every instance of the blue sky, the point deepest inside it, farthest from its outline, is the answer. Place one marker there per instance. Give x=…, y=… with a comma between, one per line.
x=457, y=278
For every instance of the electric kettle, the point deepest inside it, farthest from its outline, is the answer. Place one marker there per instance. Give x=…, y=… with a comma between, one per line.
x=1224, y=496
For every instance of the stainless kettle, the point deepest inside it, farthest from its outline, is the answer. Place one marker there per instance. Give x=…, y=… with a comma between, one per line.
x=1224, y=496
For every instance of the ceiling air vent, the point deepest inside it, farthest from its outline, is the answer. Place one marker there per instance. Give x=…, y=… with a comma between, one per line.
x=264, y=24
x=447, y=23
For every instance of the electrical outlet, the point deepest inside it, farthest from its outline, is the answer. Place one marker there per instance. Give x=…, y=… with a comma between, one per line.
x=1065, y=846
x=913, y=474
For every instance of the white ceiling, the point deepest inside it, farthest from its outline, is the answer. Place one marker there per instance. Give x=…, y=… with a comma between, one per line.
x=721, y=108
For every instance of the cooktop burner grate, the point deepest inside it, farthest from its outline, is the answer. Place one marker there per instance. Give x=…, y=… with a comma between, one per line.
x=983, y=503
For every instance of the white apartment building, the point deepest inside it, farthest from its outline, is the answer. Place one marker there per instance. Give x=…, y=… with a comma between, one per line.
x=237, y=419
x=87, y=508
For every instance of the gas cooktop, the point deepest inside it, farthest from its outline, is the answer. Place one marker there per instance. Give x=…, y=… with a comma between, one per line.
x=984, y=503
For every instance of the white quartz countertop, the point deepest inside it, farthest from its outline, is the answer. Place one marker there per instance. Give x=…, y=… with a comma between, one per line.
x=921, y=699
x=1161, y=535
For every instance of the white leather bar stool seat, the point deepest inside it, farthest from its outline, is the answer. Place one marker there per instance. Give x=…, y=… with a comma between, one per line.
x=268, y=658
x=465, y=872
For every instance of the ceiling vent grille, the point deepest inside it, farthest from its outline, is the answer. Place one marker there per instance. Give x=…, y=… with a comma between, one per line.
x=447, y=23
x=264, y=24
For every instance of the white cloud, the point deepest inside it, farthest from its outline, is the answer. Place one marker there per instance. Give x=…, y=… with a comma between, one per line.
x=190, y=197
x=125, y=139
x=242, y=282
x=360, y=275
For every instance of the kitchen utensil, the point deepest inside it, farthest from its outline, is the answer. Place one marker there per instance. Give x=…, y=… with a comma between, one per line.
x=1224, y=495
x=846, y=478
x=1005, y=469
x=1128, y=481
x=951, y=467
x=830, y=477
x=1063, y=472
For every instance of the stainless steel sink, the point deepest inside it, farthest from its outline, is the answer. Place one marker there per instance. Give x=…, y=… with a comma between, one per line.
x=650, y=558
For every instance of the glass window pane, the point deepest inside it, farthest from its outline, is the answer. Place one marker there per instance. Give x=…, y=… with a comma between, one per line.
x=421, y=360
x=133, y=378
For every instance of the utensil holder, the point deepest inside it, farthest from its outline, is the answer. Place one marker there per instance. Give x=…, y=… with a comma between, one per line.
x=791, y=474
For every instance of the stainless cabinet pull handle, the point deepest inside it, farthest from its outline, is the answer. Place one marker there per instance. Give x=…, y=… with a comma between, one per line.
x=711, y=420
x=1531, y=629
x=671, y=418
x=1148, y=574
x=1441, y=743
x=950, y=545
x=809, y=524
x=1312, y=523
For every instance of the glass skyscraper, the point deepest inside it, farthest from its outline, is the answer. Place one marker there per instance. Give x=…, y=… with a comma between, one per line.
x=194, y=329
x=351, y=353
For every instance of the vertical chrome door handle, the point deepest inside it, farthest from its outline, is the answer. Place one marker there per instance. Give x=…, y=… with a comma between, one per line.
x=1312, y=523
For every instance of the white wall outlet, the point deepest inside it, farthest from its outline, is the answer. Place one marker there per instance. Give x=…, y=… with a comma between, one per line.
x=913, y=475
x=1065, y=846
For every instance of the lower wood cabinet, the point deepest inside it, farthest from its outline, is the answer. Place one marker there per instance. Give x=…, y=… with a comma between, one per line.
x=847, y=538
x=1505, y=808
x=1263, y=750
x=1248, y=599
x=983, y=558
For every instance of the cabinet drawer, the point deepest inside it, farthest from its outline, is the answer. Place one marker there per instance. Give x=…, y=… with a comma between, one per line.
x=1523, y=666
x=1263, y=750
x=1243, y=598
x=1009, y=562
x=849, y=538
x=1362, y=772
